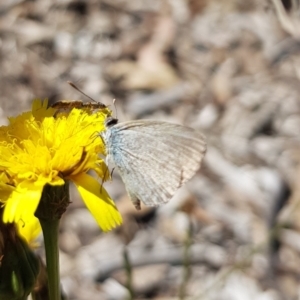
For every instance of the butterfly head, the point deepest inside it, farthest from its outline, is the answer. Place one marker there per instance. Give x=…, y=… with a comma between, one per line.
x=110, y=121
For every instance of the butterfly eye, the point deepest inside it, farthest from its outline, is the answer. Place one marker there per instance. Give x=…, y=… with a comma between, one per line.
x=110, y=121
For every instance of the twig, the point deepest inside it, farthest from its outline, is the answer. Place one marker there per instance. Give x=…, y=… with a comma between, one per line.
x=128, y=270
x=186, y=262
x=285, y=20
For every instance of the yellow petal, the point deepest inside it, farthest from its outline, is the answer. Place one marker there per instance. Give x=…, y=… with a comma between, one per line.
x=98, y=202
x=29, y=229
x=22, y=204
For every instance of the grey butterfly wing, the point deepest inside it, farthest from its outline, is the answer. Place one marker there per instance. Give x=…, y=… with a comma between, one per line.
x=154, y=158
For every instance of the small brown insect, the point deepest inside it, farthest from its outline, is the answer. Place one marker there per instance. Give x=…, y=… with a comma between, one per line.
x=69, y=104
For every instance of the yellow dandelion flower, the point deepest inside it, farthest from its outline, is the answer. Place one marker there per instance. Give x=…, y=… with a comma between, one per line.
x=44, y=147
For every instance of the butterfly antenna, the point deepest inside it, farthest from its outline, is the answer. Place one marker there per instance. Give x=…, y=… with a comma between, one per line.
x=114, y=103
x=80, y=91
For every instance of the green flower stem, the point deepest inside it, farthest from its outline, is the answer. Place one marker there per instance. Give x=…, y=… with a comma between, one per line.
x=50, y=232
x=53, y=204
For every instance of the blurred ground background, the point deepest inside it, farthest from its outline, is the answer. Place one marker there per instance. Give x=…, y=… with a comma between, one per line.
x=229, y=68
